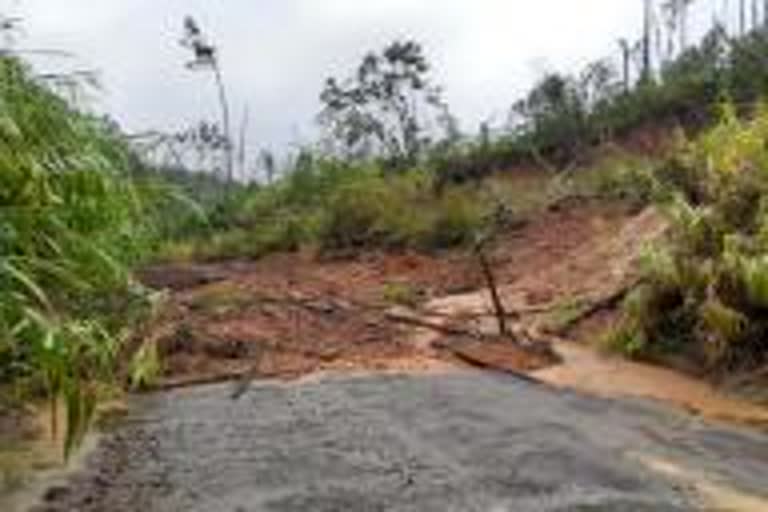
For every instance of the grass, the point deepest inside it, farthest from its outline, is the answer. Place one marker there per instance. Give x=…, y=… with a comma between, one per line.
x=565, y=314
x=401, y=294
x=339, y=207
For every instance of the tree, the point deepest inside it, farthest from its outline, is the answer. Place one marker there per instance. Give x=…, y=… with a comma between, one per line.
x=647, y=28
x=205, y=56
x=388, y=109
x=554, y=116
x=671, y=19
x=597, y=83
x=742, y=17
x=267, y=163
x=765, y=12
x=627, y=50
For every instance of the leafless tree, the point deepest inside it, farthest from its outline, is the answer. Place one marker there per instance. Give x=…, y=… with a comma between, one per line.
x=205, y=56
x=647, y=30
x=742, y=17
x=765, y=12
x=626, y=58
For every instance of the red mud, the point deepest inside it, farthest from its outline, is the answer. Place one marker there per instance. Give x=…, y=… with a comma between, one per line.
x=290, y=315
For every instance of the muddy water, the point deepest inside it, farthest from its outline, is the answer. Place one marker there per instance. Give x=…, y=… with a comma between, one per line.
x=590, y=371
x=455, y=442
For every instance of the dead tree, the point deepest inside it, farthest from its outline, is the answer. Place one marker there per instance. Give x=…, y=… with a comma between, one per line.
x=205, y=56
x=490, y=279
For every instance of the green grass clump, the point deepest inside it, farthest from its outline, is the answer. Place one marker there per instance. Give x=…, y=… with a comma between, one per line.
x=401, y=294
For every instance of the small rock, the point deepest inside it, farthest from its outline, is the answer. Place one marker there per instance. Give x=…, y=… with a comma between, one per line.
x=57, y=493
x=228, y=349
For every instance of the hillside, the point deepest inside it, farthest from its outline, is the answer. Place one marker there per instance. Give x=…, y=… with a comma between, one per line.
x=597, y=261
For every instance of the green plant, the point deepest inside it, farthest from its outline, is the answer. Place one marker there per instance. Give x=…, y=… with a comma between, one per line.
x=145, y=366
x=617, y=176
x=624, y=340
x=72, y=222
x=706, y=290
x=457, y=217
x=403, y=294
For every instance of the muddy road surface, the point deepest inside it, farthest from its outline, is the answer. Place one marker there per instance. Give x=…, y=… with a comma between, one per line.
x=464, y=441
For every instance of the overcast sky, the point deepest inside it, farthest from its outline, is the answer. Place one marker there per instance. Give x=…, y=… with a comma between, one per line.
x=276, y=53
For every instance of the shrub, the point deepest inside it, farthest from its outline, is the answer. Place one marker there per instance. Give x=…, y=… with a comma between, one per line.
x=355, y=213
x=705, y=291
x=72, y=223
x=617, y=176
x=458, y=216
x=338, y=206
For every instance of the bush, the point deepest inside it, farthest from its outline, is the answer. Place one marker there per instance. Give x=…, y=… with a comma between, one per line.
x=72, y=224
x=338, y=206
x=620, y=177
x=705, y=291
x=458, y=216
x=357, y=213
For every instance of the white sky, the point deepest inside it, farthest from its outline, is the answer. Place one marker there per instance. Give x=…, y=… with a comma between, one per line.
x=277, y=53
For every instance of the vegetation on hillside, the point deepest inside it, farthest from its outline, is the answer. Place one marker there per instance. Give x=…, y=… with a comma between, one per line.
x=337, y=206
x=72, y=222
x=79, y=208
x=705, y=289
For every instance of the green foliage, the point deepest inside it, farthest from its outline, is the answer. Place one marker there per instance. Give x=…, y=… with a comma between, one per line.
x=617, y=176
x=385, y=109
x=338, y=206
x=563, y=116
x=705, y=291
x=71, y=223
x=145, y=366
x=403, y=294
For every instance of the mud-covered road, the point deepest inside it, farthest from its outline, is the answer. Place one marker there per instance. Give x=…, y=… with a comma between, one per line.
x=456, y=442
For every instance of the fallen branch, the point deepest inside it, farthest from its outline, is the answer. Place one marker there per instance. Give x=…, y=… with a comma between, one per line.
x=481, y=364
x=434, y=326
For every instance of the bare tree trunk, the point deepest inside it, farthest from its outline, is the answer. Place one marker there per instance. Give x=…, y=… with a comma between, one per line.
x=626, y=51
x=647, y=22
x=498, y=306
x=742, y=17
x=683, y=25
x=765, y=12
x=242, y=156
x=228, y=149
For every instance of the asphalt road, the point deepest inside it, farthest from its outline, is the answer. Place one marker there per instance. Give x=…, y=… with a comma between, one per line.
x=464, y=442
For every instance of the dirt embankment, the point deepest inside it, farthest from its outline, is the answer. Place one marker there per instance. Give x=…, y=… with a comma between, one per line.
x=292, y=315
